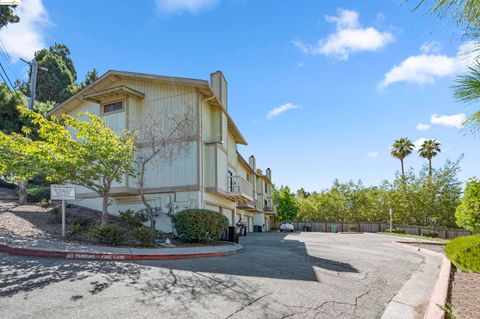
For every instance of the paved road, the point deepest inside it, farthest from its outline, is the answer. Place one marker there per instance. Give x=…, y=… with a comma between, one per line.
x=314, y=275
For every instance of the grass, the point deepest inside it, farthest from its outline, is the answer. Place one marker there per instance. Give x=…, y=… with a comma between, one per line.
x=440, y=240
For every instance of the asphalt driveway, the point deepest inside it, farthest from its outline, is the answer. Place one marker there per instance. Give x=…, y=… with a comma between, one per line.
x=307, y=275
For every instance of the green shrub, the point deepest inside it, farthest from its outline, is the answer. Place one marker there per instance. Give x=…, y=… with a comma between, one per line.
x=37, y=194
x=395, y=231
x=133, y=219
x=467, y=214
x=199, y=225
x=352, y=228
x=74, y=230
x=145, y=235
x=464, y=252
x=110, y=234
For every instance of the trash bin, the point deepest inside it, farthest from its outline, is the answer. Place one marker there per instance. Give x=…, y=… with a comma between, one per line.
x=333, y=228
x=231, y=234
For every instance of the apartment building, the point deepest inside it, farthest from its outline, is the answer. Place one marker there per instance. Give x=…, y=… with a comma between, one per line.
x=211, y=175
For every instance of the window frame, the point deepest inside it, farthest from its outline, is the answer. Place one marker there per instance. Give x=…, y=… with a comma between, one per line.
x=102, y=107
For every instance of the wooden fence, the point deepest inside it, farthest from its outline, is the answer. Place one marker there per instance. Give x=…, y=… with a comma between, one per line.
x=367, y=227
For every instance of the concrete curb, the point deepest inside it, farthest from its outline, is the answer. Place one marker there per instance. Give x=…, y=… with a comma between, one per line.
x=435, y=308
x=73, y=255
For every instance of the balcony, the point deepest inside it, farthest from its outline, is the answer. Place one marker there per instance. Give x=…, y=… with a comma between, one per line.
x=268, y=208
x=250, y=206
x=239, y=190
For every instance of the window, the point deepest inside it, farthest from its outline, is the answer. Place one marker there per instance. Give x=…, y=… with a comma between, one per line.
x=229, y=181
x=113, y=107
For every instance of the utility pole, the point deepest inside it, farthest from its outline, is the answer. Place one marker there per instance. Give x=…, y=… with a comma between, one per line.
x=33, y=80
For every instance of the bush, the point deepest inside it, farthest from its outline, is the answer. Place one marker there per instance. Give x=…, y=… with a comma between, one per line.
x=38, y=194
x=133, y=219
x=352, y=228
x=464, y=252
x=395, y=231
x=199, y=225
x=109, y=234
x=467, y=213
x=146, y=236
x=74, y=230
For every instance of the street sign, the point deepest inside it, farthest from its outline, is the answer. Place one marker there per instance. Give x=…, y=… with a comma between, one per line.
x=62, y=192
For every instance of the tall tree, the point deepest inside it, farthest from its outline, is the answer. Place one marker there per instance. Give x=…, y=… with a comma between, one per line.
x=468, y=212
x=10, y=120
x=58, y=83
x=91, y=77
x=7, y=15
x=429, y=149
x=401, y=148
x=162, y=139
x=284, y=200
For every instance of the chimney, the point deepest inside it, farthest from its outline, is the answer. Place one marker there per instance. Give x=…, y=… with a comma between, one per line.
x=268, y=172
x=220, y=87
x=252, y=163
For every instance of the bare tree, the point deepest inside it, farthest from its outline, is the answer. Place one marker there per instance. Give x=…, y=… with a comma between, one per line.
x=163, y=137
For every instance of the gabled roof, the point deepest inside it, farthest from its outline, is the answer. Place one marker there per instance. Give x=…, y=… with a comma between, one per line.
x=113, y=75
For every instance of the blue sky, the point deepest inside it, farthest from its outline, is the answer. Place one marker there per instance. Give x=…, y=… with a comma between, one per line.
x=320, y=89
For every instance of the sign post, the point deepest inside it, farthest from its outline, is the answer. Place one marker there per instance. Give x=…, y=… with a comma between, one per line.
x=62, y=192
x=391, y=212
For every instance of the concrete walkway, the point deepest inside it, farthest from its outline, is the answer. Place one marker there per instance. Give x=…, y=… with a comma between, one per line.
x=71, y=250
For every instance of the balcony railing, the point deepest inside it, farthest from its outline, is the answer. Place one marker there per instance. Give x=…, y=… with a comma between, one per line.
x=238, y=189
x=268, y=208
x=247, y=205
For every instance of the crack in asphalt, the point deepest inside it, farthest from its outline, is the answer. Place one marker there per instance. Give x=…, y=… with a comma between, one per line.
x=246, y=306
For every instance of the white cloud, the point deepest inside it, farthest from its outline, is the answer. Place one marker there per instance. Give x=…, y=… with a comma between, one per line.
x=281, y=109
x=372, y=154
x=192, y=6
x=418, y=143
x=348, y=38
x=423, y=127
x=431, y=47
x=428, y=66
x=22, y=39
x=455, y=120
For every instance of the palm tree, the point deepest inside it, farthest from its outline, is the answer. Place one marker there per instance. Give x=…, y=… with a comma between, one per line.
x=402, y=148
x=428, y=150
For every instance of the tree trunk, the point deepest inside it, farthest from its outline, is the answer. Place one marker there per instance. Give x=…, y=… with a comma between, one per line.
x=403, y=170
x=430, y=167
x=22, y=193
x=142, y=195
x=105, y=210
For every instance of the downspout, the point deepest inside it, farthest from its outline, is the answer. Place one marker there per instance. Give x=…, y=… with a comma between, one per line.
x=201, y=145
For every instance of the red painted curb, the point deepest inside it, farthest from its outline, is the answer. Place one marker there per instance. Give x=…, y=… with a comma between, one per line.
x=99, y=256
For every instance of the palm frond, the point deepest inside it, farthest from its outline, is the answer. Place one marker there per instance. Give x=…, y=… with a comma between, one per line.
x=467, y=86
x=472, y=125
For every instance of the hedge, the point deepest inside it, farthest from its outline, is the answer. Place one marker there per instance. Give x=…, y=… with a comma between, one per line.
x=464, y=252
x=37, y=194
x=199, y=225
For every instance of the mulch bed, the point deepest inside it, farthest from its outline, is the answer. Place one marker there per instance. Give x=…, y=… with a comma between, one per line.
x=38, y=222
x=464, y=289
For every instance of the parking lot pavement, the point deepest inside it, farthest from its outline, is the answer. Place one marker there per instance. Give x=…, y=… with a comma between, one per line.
x=299, y=275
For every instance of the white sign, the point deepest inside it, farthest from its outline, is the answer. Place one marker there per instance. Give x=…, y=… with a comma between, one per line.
x=62, y=192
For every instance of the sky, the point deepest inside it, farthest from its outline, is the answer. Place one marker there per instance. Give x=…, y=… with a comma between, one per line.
x=320, y=89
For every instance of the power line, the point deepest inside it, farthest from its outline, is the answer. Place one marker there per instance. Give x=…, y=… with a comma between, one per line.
x=8, y=59
x=13, y=88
